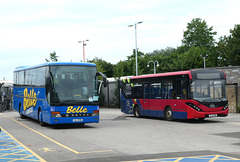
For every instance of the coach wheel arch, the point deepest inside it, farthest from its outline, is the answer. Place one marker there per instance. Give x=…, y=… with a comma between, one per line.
x=168, y=115
x=19, y=107
x=40, y=120
x=137, y=111
x=20, y=113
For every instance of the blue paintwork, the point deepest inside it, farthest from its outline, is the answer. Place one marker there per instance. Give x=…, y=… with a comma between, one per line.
x=41, y=102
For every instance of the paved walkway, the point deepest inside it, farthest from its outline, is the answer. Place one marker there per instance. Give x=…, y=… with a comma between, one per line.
x=13, y=150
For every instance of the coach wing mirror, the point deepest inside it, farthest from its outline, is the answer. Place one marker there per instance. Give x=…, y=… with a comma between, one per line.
x=48, y=79
x=104, y=78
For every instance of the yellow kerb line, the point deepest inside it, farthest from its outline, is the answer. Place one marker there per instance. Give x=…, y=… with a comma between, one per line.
x=41, y=159
x=76, y=152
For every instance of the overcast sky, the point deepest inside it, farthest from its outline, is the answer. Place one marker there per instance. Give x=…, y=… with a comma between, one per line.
x=31, y=29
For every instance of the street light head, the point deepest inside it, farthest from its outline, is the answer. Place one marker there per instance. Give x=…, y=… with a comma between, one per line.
x=130, y=25
x=147, y=65
x=79, y=41
x=140, y=22
x=87, y=40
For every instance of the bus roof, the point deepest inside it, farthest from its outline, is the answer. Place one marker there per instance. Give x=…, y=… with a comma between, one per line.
x=164, y=74
x=190, y=73
x=53, y=64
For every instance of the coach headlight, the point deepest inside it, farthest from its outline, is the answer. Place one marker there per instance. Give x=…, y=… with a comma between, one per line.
x=95, y=113
x=195, y=107
x=56, y=114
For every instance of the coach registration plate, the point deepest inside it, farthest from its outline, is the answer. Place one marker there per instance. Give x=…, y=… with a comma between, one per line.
x=212, y=115
x=77, y=120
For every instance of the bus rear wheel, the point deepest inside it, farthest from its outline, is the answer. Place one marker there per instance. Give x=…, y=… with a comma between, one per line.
x=168, y=115
x=137, y=112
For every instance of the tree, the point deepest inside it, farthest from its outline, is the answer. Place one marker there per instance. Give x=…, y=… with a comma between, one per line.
x=119, y=69
x=190, y=59
x=198, y=34
x=103, y=66
x=199, y=38
x=53, y=57
x=229, y=48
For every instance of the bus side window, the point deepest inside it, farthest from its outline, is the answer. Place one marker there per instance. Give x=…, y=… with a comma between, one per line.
x=156, y=91
x=167, y=89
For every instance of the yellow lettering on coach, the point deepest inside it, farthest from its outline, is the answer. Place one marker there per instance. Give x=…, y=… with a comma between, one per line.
x=71, y=109
x=30, y=99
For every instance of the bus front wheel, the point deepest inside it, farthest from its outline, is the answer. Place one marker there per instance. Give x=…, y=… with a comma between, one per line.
x=137, y=112
x=168, y=114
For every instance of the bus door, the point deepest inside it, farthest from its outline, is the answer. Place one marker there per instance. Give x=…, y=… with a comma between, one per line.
x=155, y=96
x=146, y=98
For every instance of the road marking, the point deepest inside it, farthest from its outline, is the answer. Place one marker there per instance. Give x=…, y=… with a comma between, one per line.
x=94, y=151
x=233, y=123
x=215, y=158
x=204, y=158
x=72, y=150
x=14, y=150
x=47, y=149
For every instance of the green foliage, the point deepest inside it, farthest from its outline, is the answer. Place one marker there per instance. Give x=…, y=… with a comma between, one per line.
x=53, y=57
x=229, y=48
x=103, y=66
x=198, y=34
x=198, y=40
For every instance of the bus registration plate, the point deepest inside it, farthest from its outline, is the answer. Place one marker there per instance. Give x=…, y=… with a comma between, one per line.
x=212, y=115
x=77, y=120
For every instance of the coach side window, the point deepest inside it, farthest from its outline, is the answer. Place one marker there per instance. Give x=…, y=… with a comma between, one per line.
x=21, y=77
x=15, y=78
x=31, y=77
x=41, y=72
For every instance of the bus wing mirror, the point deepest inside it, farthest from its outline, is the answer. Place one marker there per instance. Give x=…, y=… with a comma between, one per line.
x=104, y=78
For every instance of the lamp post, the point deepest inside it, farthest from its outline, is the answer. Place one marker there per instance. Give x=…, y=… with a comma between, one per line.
x=153, y=65
x=135, y=25
x=204, y=58
x=83, y=48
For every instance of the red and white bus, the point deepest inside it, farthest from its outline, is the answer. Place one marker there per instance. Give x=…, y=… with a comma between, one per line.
x=193, y=94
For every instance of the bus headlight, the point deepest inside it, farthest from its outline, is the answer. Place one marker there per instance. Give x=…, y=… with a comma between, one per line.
x=56, y=114
x=195, y=107
x=225, y=107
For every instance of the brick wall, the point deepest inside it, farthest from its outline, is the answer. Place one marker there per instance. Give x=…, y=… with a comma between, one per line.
x=233, y=86
x=233, y=92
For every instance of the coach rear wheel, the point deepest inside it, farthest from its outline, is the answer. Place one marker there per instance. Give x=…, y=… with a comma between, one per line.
x=168, y=114
x=137, y=111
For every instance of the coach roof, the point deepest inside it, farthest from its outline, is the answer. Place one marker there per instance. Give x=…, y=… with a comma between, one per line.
x=54, y=64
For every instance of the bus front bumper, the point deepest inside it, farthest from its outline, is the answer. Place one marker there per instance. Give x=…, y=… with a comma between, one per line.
x=193, y=114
